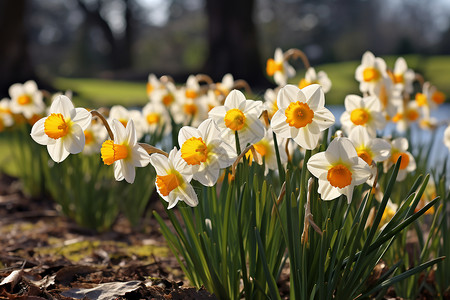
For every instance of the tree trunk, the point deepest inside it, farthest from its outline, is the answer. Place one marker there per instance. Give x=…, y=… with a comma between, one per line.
x=15, y=63
x=233, y=43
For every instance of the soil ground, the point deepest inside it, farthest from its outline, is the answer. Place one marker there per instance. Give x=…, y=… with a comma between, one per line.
x=44, y=255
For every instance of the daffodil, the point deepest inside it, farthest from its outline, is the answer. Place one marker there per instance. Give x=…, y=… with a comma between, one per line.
x=62, y=131
x=402, y=76
x=165, y=94
x=270, y=102
x=362, y=111
x=390, y=98
x=153, y=84
x=94, y=137
x=6, y=119
x=399, y=148
x=447, y=137
x=205, y=151
x=301, y=115
x=241, y=116
x=223, y=88
x=369, y=148
x=370, y=72
x=192, y=88
x=280, y=69
x=155, y=116
x=124, y=115
x=26, y=99
x=173, y=176
x=124, y=151
x=312, y=77
x=429, y=98
x=406, y=116
x=265, y=149
x=189, y=111
x=339, y=169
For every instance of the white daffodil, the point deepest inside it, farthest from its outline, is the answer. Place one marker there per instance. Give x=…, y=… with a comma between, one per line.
x=241, y=116
x=156, y=115
x=280, y=69
x=390, y=98
x=26, y=99
x=165, y=95
x=399, y=148
x=339, y=169
x=265, y=148
x=369, y=148
x=223, y=88
x=447, y=137
x=123, y=115
x=362, y=111
x=192, y=88
x=270, y=102
x=172, y=179
x=6, y=119
x=370, y=72
x=124, y=151
x=402, y=76
x=406, y=116
x=62, y=131
x=311, y=77
x=94, y=137
x=211, y=99
x=189, y=111
x=153, y=84
x=429, y=98
x=205, y=151
x=301, y=115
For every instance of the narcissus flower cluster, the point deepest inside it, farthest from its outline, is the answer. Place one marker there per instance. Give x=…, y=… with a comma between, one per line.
x=217, y=122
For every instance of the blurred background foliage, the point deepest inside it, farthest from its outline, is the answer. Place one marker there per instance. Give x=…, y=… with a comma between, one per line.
x=57, y=42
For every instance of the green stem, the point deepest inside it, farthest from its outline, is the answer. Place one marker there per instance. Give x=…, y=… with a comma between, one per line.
x=238, y=145
x=277, y=153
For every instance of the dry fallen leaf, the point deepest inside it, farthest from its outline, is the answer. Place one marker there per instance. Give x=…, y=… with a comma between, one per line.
x=11, y=280
x=104, y=291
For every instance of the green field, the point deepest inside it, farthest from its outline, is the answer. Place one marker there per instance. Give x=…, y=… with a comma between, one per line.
x=93, y=93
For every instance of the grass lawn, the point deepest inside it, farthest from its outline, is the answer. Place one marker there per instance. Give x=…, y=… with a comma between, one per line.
x=94, y=93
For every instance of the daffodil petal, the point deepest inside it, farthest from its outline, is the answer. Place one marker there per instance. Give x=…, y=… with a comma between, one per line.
x=279, y=125
x=234, y=99
x=315, y=96
x=82, y=118
x=57, y=151
x=327, y=191
x=118, y=174
x=140, y=157
x=62, y=105
x=74, y=142
x=120, y=134
x=160, y=163
x=128, y=171
x=360, y=172
x=323, y=118
x=38, y=132
x=185, y=133
x=318, y=165
x=288, y=94
x=188, y=195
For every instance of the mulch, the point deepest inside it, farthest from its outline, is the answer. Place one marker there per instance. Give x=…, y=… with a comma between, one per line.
x=36, y=261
